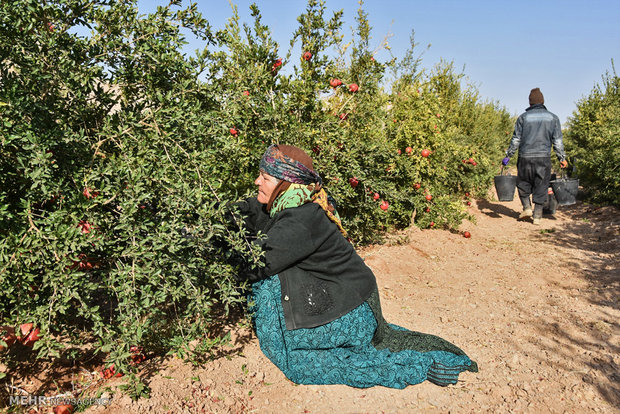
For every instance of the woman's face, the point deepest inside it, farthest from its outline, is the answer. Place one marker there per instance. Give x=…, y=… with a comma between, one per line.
x=266, y=184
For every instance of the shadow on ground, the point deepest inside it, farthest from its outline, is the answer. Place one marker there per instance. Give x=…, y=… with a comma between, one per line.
x=597, y=232
x=592, y=339
x=82, y=371
x=499, y=210
x=496, y=210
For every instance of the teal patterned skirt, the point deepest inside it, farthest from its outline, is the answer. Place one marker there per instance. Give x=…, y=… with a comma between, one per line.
x=358, y=349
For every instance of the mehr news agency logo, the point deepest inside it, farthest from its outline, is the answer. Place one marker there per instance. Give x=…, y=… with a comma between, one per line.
x=41, y=400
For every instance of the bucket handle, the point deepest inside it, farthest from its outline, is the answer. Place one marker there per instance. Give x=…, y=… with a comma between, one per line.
x=564, y=175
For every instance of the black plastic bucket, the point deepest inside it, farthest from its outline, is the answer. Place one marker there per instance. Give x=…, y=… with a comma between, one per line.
x=505, y=187
x=565, y=191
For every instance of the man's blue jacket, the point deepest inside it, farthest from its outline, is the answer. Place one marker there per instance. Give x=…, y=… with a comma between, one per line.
x=536, y=131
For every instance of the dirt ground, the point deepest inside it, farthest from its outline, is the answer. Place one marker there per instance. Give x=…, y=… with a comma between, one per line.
x=536, y=306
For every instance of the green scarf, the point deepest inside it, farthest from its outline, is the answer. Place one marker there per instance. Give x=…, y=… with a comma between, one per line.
x=299, y=194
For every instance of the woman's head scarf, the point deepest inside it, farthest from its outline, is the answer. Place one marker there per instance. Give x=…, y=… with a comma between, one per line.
x=299, y=183
x=289, y=163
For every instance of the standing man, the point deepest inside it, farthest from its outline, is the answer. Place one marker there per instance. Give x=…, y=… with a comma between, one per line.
x=535, y=132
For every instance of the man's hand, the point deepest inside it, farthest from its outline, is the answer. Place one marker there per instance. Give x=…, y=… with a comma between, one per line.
x=563, y=164
x=505, y=161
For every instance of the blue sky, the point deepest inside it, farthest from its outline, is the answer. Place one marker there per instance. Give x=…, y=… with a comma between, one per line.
x=505, y=48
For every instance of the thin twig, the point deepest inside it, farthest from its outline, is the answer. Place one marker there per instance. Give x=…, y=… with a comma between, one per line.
x=14, y=388
x=109, y=200
x=32, y=226
x=171, y=163
x=236, y=222
x=52, y=300
x=14, y=253
x=192, y=160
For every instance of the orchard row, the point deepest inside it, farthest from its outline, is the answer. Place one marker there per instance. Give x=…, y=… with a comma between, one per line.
x=119, y=154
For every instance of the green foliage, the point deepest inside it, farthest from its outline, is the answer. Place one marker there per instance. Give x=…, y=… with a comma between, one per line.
x=136, y=388
x=119, y=154
x=593, y=140
x=463, y=135
x=112, y=195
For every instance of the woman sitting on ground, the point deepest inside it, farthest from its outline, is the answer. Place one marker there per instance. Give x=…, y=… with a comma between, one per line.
x=315, y=303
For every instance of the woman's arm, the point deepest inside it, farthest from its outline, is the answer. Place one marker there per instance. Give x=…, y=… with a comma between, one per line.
x=288, y=242
x=253, y=213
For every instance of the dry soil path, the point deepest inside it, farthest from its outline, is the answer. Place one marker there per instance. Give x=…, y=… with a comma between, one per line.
x=536, y=306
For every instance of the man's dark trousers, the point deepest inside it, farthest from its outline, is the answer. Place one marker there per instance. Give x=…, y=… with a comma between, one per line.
x=534, y=174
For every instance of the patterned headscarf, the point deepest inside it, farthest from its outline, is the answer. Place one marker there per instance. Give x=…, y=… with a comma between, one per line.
x=305, y=184
x=279, y=165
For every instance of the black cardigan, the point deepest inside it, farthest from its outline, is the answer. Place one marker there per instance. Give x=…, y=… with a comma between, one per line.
x=321, y=275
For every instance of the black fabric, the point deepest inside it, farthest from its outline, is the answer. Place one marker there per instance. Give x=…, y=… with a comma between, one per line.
x=317, y=300
x=396, y=340
x=254, y=217
x=321, y=275
x=533, y=178
x=538, y=211
x=525, y=202
x=254, y=213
